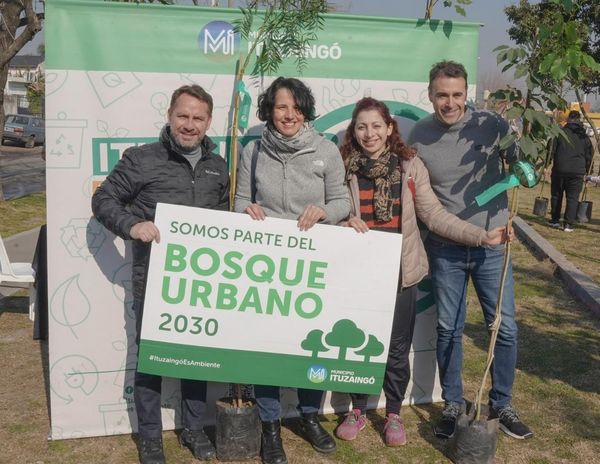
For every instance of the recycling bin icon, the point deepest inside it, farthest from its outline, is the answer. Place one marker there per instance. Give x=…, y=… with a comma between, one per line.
x=64, y=142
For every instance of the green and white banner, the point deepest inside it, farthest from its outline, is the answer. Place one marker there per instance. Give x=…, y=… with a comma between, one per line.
x=236, y=300
x=111, y=68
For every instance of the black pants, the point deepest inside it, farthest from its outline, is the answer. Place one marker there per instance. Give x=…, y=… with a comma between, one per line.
x=147, y=397
x=570, y=186
x=397, y=369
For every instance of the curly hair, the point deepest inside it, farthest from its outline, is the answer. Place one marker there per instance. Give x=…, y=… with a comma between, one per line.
x=394, y=141
x=299, y=90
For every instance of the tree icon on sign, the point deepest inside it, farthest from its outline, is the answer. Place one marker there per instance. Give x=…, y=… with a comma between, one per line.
x=314, y=343
x=373, y=348
x=345, y=334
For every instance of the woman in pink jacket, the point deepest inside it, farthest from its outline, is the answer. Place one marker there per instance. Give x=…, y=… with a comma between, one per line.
x=389, y=188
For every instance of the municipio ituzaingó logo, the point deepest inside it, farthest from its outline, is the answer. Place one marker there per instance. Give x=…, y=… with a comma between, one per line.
x=218, y=41
x=317, y=373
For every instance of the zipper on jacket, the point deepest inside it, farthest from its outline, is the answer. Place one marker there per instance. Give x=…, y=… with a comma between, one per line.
x=193, y=173
x=284, y=185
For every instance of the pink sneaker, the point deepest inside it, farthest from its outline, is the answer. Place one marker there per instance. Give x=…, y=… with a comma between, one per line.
x=353, y=423
x=395, y=435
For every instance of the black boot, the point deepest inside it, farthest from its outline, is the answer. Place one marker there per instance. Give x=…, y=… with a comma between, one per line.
x=272, y=449
x=151, y=451
x=315, y=434
x=198, y=443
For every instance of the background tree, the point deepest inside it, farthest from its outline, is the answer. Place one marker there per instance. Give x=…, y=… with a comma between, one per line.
x=314, y=343
x=344, y=335
x=551, y=55
x=15, y=14
x=373, y=348
x=457, y=4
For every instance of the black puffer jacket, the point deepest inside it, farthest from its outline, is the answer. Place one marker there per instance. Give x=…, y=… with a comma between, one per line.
x=573, y=157
x=153, y=173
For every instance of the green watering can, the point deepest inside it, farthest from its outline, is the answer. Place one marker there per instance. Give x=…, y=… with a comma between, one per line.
x=521, y=173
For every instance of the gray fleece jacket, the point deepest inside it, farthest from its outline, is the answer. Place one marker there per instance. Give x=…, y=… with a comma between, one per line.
x=285, y=185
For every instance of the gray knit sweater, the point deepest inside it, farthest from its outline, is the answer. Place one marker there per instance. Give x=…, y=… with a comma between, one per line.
x=463, y=160
x=286, y=184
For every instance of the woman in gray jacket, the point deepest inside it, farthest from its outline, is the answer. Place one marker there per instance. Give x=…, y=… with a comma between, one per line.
x=389, y=189
x=292, y=172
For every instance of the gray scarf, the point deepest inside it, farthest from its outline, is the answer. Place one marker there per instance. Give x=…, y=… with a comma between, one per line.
x=277, y=145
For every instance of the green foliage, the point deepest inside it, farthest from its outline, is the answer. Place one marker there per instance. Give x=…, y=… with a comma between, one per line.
x=36, y=93
x=550, y=52
x=287, y=28
x=568, y=33
x=457, y=4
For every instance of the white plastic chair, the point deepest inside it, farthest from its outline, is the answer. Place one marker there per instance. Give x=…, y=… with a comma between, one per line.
x=18, y=273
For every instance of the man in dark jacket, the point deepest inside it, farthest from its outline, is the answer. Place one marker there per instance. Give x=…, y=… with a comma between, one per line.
x=571, y=162
x=181, y=169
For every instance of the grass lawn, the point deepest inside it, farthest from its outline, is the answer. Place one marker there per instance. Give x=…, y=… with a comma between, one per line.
x=556, y=389
x=580, y=246
x=22, y=214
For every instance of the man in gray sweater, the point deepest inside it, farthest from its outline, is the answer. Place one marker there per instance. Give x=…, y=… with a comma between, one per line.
x=459, y=147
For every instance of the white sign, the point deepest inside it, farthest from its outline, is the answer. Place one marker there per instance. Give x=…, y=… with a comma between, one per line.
x=236, y=300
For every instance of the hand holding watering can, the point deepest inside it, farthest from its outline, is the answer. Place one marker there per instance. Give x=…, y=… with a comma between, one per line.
x=521, y=173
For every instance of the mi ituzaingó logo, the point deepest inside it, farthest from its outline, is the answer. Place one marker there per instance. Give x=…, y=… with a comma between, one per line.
x=218, y=41
x=317, y=373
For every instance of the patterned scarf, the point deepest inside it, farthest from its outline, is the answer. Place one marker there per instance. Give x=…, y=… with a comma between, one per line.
x=386, y=172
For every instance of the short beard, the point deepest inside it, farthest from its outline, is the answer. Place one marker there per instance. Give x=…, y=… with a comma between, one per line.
x=185, y=148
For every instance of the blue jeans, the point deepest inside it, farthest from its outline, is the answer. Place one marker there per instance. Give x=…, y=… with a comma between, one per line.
x=269, y=404
x=451, y=267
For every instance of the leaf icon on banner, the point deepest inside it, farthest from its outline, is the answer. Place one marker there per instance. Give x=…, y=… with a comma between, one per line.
x=69, y=305
x=55, y=81
x=102, y=126
x=122, y=132
x=400, y=95
x=160, y=102
x=112, y=80
x=51, y=77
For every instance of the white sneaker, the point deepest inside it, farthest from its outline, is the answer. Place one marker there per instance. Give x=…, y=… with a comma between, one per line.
x=568, y=228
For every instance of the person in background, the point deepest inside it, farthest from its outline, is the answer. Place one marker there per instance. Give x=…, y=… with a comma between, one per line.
x=571, y=161
x=291, y=172
x=182, y=169
x=460, y=148
x=389, y=188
